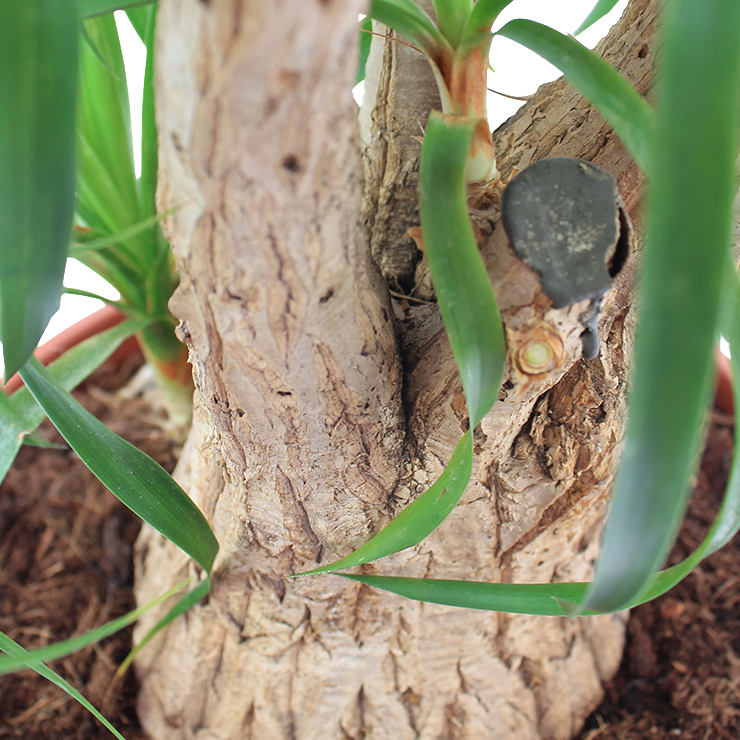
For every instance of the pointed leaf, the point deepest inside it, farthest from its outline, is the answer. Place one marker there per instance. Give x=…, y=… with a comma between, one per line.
x=621, y=105
x=133, y=477
x=683, y=261
x=12, y=648
x=451, y=18
x=599, y=10
x=484, y=16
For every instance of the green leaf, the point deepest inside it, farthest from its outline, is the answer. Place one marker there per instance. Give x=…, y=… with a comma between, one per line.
x=63, y=648
x=38, y=87
x=139, y=18
x=680, y=288
x=451, y=18
x=621, y=105
x=20, y=415
x=532, y=598
x=111, y=240
x=410, y=20
x=366, y=39
x=473, y=326
x=484, y=16
x=93, y=8
x=599, y=10
x=559, y=599
x=12, y=648
x=133, y=477
x=105, y=165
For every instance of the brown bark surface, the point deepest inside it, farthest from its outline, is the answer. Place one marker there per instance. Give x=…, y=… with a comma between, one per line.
x=318, y=417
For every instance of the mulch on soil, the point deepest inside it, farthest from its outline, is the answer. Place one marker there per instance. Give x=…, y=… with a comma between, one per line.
x=65, y=568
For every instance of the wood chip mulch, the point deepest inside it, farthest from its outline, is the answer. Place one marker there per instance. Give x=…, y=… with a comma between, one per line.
x=65, y=567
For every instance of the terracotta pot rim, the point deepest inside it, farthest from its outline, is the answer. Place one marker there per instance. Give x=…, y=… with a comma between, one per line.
x=97, y=322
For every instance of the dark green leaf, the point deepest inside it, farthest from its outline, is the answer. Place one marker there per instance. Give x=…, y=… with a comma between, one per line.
x=20, y=414
x=681, y=282
x=139, y=18
x=133, y=477
x=621, y=105
x=38, y=83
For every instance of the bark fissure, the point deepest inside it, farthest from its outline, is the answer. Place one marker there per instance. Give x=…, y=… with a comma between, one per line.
x=322, y=407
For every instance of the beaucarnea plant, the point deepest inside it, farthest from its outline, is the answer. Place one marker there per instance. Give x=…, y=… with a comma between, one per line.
x=687, y=295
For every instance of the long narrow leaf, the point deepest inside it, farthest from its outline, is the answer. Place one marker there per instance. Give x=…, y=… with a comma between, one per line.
x=410, y=20
x=599, y=10
x=451, y=18
x=38, y=84
x=683, y=260
x=20, y=415
x=473, y=326
x=621, y=105
x=111, y=240
x=133, y=477
x=61, y=649
x=366, y=38
x=10, y=647
x=484, y=16
x=139, y=18
x=558, y=599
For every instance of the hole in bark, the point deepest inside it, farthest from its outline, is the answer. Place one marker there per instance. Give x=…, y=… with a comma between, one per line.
x=385, y=315
x=644, y=51
x=291, y=163
x=240, y=413
x=284, y=393
x=329, y=293
x=622, y=250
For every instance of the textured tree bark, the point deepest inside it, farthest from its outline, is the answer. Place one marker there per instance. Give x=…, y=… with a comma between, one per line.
x=318, y=416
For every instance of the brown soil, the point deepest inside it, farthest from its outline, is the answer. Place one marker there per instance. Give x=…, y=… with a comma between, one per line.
x=65, y=567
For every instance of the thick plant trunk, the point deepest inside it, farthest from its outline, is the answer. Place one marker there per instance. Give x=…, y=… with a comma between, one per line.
x=321, y=408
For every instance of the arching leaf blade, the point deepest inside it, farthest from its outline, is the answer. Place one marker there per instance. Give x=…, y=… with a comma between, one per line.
x=133, y=477
x=38, y=89
x=681, y=285
x=618, y=102
x=599, y=10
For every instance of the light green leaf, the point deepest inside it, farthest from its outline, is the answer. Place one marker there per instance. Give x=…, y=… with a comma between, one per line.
x=680, y=288
x=38, y=87
x=20, y=415
x=366, y=39
x=451, y=18
x=12, y=648
x=61, y=649
x=599, y=10
x=621, y=105
x=410, y=20
x=133, y=477
x=484, y=16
